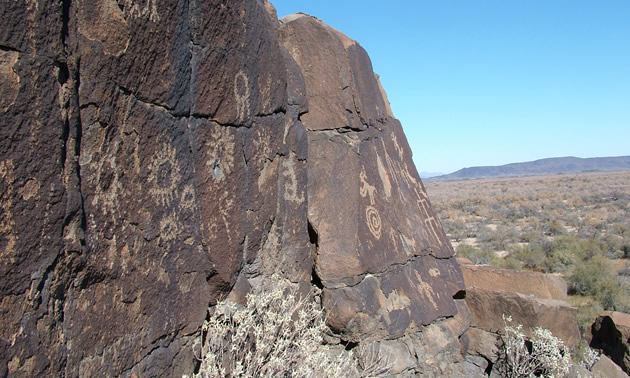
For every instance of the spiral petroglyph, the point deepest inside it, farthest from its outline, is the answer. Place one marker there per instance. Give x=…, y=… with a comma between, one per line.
x=373, y=219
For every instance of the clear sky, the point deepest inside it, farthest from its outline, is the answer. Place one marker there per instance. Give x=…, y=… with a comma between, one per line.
x=491, y=82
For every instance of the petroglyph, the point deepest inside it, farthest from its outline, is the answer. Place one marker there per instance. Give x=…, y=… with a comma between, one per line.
x=401, y=175
x=270, y=167
x=397, y=301
x=401, y=153
x=290, y=184
x=169, y=228
x=188, y=199
x=164, y=175
x=9, y=80
x=382, y=172
x=409, y=244
x=104, y=21
x=241, y=93
x=425, y=289
x=220, y=152
x=143, y=9
x=366, y=189
x=372, y=216
x=7, y=224
x=30, y=189
x=373, y=220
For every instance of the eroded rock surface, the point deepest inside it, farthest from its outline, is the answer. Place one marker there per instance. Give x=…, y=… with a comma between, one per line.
x=383, y=260
x=540, y=285
x=156, y=155
x=148, y=152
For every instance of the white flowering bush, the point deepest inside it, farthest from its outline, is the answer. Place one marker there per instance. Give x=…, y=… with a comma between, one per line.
x=544, y=355
x=274, y=335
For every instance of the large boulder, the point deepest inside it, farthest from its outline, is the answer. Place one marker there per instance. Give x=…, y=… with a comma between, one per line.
x=611, y=333
x=156, y=156
x=531, y=299
x=148, y=152
x=382, y=258
x=488, y=308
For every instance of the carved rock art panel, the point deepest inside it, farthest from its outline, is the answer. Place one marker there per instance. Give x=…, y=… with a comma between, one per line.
x=165, y=175
x=241, y=93
x=372, y=216
x=221, y=146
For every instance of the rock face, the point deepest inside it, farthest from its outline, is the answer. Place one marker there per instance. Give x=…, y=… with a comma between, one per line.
x=382, y=257
x=611, y=334
x=156, y=155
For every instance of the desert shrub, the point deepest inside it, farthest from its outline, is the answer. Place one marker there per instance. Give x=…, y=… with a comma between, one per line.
x=596, y=277
x=544, y=355
x=585, y=356
x=456, y=229
x=274, y=334
x=510, y=262
x=477, y=256
x=499, y=239
x=532, y=255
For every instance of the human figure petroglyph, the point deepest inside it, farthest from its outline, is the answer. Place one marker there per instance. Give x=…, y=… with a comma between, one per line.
x=241, y=93
x=426, y=289
x=290, y=184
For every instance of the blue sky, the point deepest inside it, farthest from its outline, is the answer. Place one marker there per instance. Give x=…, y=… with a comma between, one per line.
x=495, y=82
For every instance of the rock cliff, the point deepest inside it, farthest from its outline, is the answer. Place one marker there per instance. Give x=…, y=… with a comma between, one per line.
x=158, y=155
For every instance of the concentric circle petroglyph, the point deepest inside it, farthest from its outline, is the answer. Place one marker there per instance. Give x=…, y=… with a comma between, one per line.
x=164, y=175
x=373, y=219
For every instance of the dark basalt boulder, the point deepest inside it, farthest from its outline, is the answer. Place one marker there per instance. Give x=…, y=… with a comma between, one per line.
x=158, y=155
x=383, y=260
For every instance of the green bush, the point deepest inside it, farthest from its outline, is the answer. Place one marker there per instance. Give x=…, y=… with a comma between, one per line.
x=477, y=256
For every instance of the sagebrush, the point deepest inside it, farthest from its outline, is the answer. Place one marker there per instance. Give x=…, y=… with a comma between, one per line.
x=543, y=355
x=274, y=334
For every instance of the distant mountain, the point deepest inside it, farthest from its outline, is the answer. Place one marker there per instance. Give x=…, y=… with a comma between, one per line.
x=543, y=167
x=425, y=175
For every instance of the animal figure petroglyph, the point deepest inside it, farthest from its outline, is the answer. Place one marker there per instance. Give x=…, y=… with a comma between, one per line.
x=372, y=216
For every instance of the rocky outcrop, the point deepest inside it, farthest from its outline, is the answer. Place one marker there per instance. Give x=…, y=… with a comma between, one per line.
x=611, y=334
x=531, y=299
x=606, y=368
x=540, y=285
x=155, y=156
x=149, y=151
x=488, y=307
x=382, y=258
